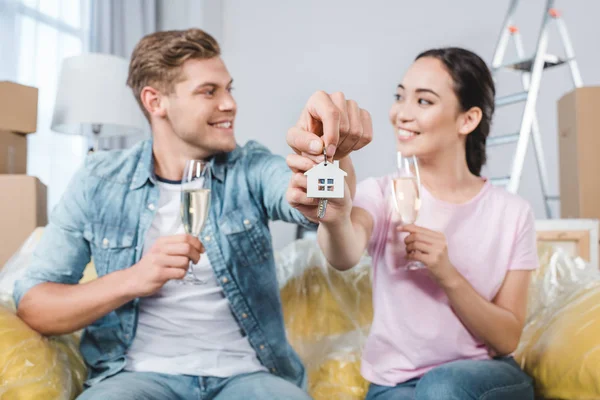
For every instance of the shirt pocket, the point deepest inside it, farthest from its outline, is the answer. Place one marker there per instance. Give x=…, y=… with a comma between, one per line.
x=112, y=247
x=247, y=236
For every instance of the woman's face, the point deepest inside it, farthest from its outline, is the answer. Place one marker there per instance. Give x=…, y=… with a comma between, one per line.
x=426, y=115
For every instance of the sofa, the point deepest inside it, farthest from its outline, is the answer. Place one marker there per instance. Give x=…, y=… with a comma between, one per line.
x=327, y=315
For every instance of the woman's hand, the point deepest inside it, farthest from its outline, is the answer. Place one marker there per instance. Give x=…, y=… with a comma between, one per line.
x=430, y=248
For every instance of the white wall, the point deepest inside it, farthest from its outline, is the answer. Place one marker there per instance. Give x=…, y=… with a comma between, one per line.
x=183, y=14
x=280, y=52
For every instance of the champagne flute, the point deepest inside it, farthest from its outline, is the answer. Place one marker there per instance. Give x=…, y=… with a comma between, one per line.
x=406, y=193
x=195, y=203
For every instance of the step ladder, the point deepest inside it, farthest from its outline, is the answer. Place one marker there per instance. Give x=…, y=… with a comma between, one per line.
x=531, y=69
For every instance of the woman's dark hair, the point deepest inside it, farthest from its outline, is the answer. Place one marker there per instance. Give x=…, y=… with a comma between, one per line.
x=474, y=87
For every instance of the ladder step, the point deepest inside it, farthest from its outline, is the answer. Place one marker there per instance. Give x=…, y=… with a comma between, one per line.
x=503, y=139
x=552, y=198
x=511, y=98
x=500, y=181
x=525, y=65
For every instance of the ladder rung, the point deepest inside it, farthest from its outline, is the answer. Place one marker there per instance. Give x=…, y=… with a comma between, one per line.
x=500, y=181
x=552, y=198
x=511, y=98
x=503, y=139
x=550, y=60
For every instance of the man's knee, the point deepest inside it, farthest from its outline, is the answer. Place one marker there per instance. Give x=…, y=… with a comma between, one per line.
x=130, y=386
x=261, y=385
x=101, y=392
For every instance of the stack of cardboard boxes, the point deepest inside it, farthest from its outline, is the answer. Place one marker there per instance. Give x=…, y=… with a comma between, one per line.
x=579, y=149
x=579, y=153
x=22, y=197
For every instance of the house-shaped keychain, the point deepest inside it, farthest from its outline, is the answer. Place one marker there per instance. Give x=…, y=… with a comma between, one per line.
x=325, y=181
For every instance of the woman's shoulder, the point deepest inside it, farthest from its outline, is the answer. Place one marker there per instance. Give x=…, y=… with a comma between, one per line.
x=503, y=199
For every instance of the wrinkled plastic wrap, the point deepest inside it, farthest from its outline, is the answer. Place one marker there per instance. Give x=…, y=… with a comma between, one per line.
x=31, y=365
x=327, y=316
x=560, y=345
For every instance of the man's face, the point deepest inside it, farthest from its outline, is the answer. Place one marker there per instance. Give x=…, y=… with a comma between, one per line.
x=201, y=110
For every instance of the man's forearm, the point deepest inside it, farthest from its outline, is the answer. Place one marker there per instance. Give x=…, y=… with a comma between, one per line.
x=54, y=308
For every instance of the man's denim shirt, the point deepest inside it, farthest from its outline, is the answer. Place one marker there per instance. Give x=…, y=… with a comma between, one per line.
x=105, y=213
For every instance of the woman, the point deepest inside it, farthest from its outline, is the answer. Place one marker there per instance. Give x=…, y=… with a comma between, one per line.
x=446, y=331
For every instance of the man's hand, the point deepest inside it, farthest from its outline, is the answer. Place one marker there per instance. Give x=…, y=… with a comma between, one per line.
x=168, y=259
x=333, y=121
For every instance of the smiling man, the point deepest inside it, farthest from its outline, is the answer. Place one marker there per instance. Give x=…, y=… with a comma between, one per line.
x=146, y=335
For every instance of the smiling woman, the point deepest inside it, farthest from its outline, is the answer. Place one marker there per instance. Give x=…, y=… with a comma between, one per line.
x=469, y=85
x=467, y=307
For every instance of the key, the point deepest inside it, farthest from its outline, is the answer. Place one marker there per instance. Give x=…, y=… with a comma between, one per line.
x=325, y=181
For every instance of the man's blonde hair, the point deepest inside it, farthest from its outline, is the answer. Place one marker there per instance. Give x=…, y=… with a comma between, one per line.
x=157, y=58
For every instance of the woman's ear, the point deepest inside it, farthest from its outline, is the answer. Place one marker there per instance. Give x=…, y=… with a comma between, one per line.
x=469, y=120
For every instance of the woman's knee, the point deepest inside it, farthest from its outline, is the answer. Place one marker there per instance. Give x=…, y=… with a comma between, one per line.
x=466, y=379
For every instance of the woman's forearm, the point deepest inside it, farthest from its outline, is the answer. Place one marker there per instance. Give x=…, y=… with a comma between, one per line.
x=340, y=244
x=497, y=327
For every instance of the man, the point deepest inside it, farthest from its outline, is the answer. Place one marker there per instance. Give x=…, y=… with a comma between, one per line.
x=146, y=335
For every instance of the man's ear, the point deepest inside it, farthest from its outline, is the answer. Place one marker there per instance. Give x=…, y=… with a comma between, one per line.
x=154, y=102
x=469, y=120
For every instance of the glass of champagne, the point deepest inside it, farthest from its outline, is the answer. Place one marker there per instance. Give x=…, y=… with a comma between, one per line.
x=195, y=203
x=406, y=193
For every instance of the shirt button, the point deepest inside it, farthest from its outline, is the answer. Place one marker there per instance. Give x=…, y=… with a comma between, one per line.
x=273, y=370
x=246, y=222
x=151, y=207
x=224, y=280
x=105, y=242
x=127, y=336
x=207, y=238
x=262, y=346
x=244, y=315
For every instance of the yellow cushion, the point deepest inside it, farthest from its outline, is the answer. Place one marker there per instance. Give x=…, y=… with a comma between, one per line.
x=559, y=344
x=560, y=351
x=89, y=273
x=34, y=367
x=327, y=314
x=338, y=379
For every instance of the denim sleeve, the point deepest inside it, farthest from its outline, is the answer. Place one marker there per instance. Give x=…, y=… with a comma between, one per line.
x=270, y=177
x=62, y=253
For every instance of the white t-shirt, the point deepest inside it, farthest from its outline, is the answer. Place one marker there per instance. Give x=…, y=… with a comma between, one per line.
x=187, y=329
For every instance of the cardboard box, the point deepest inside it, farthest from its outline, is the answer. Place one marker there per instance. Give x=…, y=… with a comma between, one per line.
x=22, y=209
x=13, y=153
x=579, y=153
x=18, y=107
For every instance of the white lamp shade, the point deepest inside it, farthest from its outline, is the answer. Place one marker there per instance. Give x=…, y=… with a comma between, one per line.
x=92, y=89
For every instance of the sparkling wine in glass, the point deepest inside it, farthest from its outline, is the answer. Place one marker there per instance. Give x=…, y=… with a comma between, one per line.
x=195, y=204
x=406, y=193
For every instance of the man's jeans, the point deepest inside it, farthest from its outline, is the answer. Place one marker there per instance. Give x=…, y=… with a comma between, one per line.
x=153, y=386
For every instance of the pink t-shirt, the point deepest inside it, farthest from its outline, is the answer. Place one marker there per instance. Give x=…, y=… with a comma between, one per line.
x=414, y=328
